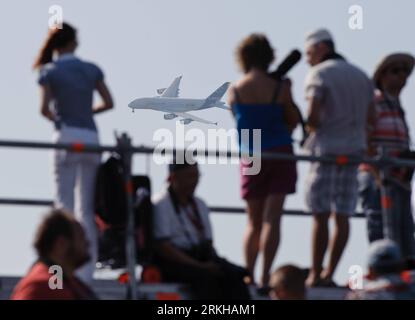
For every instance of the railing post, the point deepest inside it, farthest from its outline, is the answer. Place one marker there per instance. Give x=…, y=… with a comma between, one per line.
x=386, y=197
x=147, y=160
x=124, y=149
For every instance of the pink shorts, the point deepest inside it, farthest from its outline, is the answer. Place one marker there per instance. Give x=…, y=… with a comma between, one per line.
x=275, y=176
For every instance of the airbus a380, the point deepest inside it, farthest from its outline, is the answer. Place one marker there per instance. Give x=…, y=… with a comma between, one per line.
x=169, y=102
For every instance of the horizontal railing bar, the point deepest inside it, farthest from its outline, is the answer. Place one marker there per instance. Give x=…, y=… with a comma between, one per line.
x=235, y=210
x=231, y=210
x=25, y=202
x=60, y=146
x=341, y=160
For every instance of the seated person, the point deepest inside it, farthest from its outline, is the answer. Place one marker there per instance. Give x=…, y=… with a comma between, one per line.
x=60, y=241
x=288, y=283
x=387, y=279
x=183, y=237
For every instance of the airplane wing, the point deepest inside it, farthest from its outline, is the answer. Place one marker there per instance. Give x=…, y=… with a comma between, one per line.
x=194, y=118
x=173, y=90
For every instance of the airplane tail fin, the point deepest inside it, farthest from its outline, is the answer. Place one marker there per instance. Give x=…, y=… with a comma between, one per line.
x=216, y=95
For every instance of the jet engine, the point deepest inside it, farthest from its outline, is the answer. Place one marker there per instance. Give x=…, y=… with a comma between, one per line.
x=185, y=121
x=169, y=116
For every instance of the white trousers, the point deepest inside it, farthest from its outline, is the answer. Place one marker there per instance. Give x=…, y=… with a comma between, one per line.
x=74, y=185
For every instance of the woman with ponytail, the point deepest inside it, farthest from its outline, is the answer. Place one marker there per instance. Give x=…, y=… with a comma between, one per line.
x=67, y=85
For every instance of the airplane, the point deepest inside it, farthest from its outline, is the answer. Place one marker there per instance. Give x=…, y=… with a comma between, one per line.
x=169, y=102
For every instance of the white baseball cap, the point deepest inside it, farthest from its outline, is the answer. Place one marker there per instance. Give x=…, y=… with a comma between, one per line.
x=317, y=36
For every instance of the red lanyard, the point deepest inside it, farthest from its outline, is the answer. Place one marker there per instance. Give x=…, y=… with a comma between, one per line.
x=195, y=218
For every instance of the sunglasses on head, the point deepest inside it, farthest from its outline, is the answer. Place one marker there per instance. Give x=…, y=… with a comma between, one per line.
x=397, y=70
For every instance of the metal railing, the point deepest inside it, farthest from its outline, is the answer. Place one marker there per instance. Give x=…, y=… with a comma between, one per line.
x=215, y=209
x=125, y=149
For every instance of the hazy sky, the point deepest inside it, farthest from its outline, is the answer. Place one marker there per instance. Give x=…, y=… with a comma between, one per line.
x=142, y=46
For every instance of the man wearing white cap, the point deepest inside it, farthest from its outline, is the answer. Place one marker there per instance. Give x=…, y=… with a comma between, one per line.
x=339, y=96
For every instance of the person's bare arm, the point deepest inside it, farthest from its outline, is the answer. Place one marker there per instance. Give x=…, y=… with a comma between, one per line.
x=370, y=124
x=167, y=251
x=231, y=100
x=45, y=100
x=105, y=94
x=371, y=151
x=290, y=109
x=313, y=118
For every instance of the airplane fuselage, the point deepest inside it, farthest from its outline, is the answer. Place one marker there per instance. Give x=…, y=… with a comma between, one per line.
x=172, y=104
